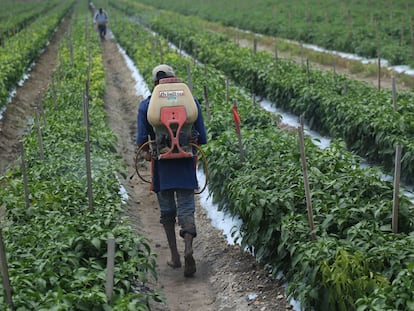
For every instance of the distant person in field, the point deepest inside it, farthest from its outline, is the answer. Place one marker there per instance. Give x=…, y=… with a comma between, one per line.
x=173, y=180
x=101, y=20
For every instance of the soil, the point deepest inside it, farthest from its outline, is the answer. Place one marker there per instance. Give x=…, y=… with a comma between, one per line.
x=227, y=278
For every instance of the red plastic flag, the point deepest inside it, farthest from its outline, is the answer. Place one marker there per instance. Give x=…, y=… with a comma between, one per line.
x=236, y=118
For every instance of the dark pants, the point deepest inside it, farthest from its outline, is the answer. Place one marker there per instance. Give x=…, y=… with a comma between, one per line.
x=178, y=203
x=102, y=30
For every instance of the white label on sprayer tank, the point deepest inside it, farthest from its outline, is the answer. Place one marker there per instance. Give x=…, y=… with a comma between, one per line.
x=171, y=95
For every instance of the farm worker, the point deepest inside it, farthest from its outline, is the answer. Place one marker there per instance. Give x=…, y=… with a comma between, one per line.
x=101, y=20
x=173, y=181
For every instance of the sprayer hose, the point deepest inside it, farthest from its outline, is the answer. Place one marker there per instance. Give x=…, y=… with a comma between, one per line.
x=203, y=159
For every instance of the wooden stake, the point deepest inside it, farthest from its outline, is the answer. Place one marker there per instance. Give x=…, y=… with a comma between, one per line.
x=54, y=93
x=379, y=59
x=110, y=269
x=397, y=173
x=189, y=77
x=227, y=90
x=161, y=52
x=60, y=72
x=72, y=55
x=394, y=93
x=25, y=179
x=5, y=273
x=152, y=47
x=207, y=102
x=241, y=151
x=379, y=73
x=349, y=22
x=87, y=34
x=301, y=53
x=39, y=134
x=276, y=56
x=87, y=149
x=290, y=20
x=412, y=33
x=305, y=177
x=41, y=109
x=167, y=45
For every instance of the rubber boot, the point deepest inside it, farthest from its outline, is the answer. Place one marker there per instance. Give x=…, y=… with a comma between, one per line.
x=190, y=265
x=172, y=243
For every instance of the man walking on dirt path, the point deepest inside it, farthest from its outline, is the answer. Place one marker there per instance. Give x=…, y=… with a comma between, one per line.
x=173, y=180
x=101, y=20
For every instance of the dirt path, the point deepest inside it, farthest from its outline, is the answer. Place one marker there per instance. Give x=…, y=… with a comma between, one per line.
x=225, y=276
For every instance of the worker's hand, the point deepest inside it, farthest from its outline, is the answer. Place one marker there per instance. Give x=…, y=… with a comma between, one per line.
x=147, y=155
x=143, y=154
x=136, y=155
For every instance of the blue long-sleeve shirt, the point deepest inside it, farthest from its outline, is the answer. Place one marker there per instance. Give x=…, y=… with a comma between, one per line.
x=171, y=173
x=101, y=18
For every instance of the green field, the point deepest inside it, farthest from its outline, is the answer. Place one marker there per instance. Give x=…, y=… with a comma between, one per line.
x=358, y=27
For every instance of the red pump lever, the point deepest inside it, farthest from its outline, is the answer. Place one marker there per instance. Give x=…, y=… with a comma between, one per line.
x=169, y=116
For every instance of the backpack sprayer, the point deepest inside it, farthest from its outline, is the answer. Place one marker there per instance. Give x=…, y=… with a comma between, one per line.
x=172, y=112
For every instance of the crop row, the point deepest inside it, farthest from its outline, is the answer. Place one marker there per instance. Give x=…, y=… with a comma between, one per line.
x=20, y=16
x=355, y=262
x=56, y=247
x=331, y=104
x=354, y=27
x=18, y=52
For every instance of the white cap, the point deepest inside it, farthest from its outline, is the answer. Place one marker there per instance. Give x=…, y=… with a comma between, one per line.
x=169, y=72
